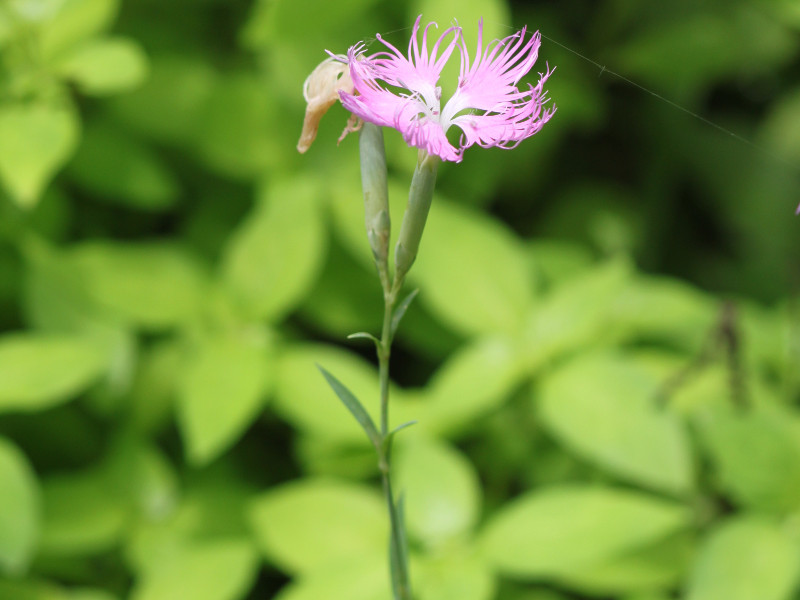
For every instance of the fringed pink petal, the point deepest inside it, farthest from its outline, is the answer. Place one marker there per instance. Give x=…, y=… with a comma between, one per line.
x=487, y=106
x=520, y=115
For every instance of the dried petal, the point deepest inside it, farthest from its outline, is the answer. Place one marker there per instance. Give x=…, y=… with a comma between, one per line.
x=321, y=90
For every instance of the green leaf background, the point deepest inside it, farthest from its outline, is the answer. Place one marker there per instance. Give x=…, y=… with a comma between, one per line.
x=601, y=362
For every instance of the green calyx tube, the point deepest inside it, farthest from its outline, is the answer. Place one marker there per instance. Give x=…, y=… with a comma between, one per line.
x=419, y=203
x=376, y=192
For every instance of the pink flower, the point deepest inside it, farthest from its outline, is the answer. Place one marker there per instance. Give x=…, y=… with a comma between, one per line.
x=487, y=106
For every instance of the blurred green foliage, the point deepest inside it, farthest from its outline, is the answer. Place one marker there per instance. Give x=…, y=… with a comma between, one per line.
x=593, y=422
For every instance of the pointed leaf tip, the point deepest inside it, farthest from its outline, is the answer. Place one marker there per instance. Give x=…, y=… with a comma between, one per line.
x=354, y=406
x=401, y=309
x=387, y=441
x=366, y=336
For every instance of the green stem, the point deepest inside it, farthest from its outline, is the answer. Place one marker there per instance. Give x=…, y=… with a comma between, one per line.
x=399, y=566
x=384, y=353
x=378, y=224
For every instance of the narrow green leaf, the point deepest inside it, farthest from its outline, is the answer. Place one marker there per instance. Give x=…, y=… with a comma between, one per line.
x=395, y=570
x=402, y=426
x=387, y=441
x=305, y=402
x=364, y=335
x=401, y=518
x=354, y=406
x=398, y=562
x=401, y=309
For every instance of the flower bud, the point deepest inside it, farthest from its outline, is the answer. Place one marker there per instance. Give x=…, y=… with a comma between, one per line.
x=419, y=203
x=376, y=193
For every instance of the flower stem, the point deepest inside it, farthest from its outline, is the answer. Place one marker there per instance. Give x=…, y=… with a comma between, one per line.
x=397, y=553
x=378, y=223
x=384, y=353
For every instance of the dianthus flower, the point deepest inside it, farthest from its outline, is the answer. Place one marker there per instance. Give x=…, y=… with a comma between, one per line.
x=487, y=105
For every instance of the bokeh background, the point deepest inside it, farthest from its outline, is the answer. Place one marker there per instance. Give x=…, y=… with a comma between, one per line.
x=602, y=358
